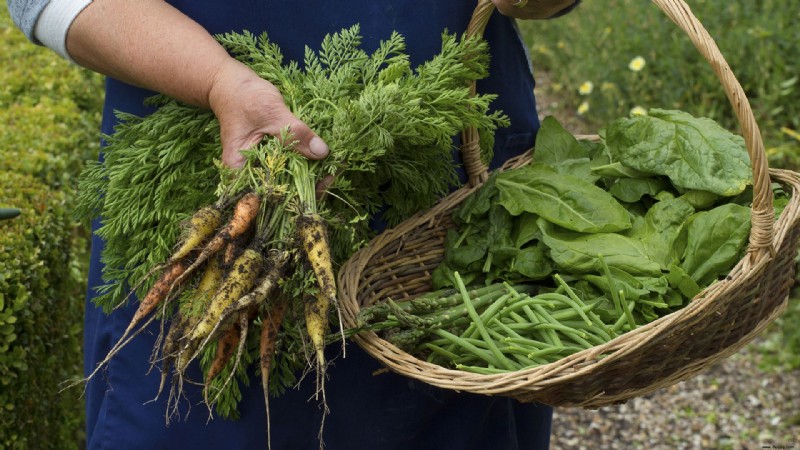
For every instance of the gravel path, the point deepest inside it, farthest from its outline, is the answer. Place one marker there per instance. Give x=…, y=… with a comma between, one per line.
x=733, y=405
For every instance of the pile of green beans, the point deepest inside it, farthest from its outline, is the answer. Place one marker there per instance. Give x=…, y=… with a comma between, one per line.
x=497, y=328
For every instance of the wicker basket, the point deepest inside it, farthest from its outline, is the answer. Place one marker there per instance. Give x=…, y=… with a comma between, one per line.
x=718, y=322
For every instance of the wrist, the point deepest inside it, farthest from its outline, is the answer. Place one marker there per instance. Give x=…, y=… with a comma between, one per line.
x=229, y=78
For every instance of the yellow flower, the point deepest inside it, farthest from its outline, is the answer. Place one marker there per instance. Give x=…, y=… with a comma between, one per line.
x=583, y=108
x=638, y=111
x=637, y=64
x=586, y=88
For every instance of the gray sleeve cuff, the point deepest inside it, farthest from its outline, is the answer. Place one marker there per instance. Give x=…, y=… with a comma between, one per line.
x=53, y=24
x=24, y=14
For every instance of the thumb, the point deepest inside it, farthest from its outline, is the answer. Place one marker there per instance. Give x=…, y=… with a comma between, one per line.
x=307, y=143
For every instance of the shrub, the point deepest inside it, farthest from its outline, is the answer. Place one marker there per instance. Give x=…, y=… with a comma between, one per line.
x=41, y=291
x=50, y=113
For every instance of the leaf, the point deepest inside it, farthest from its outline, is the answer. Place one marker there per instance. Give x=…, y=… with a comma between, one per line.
x=525, y=229
x=680, y=280
x=478, y=203
x=580, y=253
x=659, y=230
x=715, y=242
x=561, y=199
x=633, y=189
x=533, y=263
x=558, y=148
x=696, y=153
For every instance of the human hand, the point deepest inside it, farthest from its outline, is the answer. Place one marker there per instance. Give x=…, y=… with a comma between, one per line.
x=248, y=108
x=531, y=9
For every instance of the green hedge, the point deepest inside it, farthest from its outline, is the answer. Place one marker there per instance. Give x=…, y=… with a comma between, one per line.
x=41, y=290
x=50, y=111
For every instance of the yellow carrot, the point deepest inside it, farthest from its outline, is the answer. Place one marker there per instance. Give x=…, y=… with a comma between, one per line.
x=238, y=282
x=201, y=226
x=314, y=241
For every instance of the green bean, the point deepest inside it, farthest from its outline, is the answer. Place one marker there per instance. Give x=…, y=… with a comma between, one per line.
x=531, y=343
x=543, y=317
x=511, y=333
x=485, y=355
x=487, y=314
x=505, y=362
x=627, y=309
x=436, y=350
x=480, y=370
x=612, y=285
x=572, y=299
x=622, y=321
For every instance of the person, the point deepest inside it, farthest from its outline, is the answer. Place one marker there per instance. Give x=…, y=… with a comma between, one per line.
x=148, y=46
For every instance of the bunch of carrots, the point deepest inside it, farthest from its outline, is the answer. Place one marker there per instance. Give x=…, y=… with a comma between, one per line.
x=234, y=268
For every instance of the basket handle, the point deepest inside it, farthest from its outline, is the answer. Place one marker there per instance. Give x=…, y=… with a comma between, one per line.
x=762, y=212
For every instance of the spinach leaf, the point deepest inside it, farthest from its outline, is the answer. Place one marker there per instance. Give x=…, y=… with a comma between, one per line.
x=580, y=253
x=632, y=190
x=533, y=263
x=568, y=201
x=525, y=229
x=558, y=148
x=659, y=230
x=716, y=240
x=478, y=203
x=696, y=153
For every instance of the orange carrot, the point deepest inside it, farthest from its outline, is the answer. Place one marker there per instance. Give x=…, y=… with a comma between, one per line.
x=244, y=215
x=268, y=343
x=225, y=347
x=270, y=327
x=155, y=296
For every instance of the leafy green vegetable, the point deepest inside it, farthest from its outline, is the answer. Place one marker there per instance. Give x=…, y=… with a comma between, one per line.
x=580, y=252
x=715, y=241
x=696, y=153
x=565, y=200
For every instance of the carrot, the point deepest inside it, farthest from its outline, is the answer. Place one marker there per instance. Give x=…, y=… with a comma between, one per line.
x=240, y=280
x=244, y=325
x=202, y=225
x=208, y=285
x=314, y=241
x=268, y=343
x=225, y=346
x=277, y=264
x=170, y=347
x=244, y=215
x=157, y=294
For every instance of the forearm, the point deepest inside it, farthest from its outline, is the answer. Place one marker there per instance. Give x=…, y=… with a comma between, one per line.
x=150, y=44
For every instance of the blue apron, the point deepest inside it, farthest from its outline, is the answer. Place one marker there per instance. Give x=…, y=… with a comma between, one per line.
x=367, y=411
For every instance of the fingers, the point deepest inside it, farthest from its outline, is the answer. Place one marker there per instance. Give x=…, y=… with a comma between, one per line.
x=307, y=143
x=531, y=9
x=323, y=185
